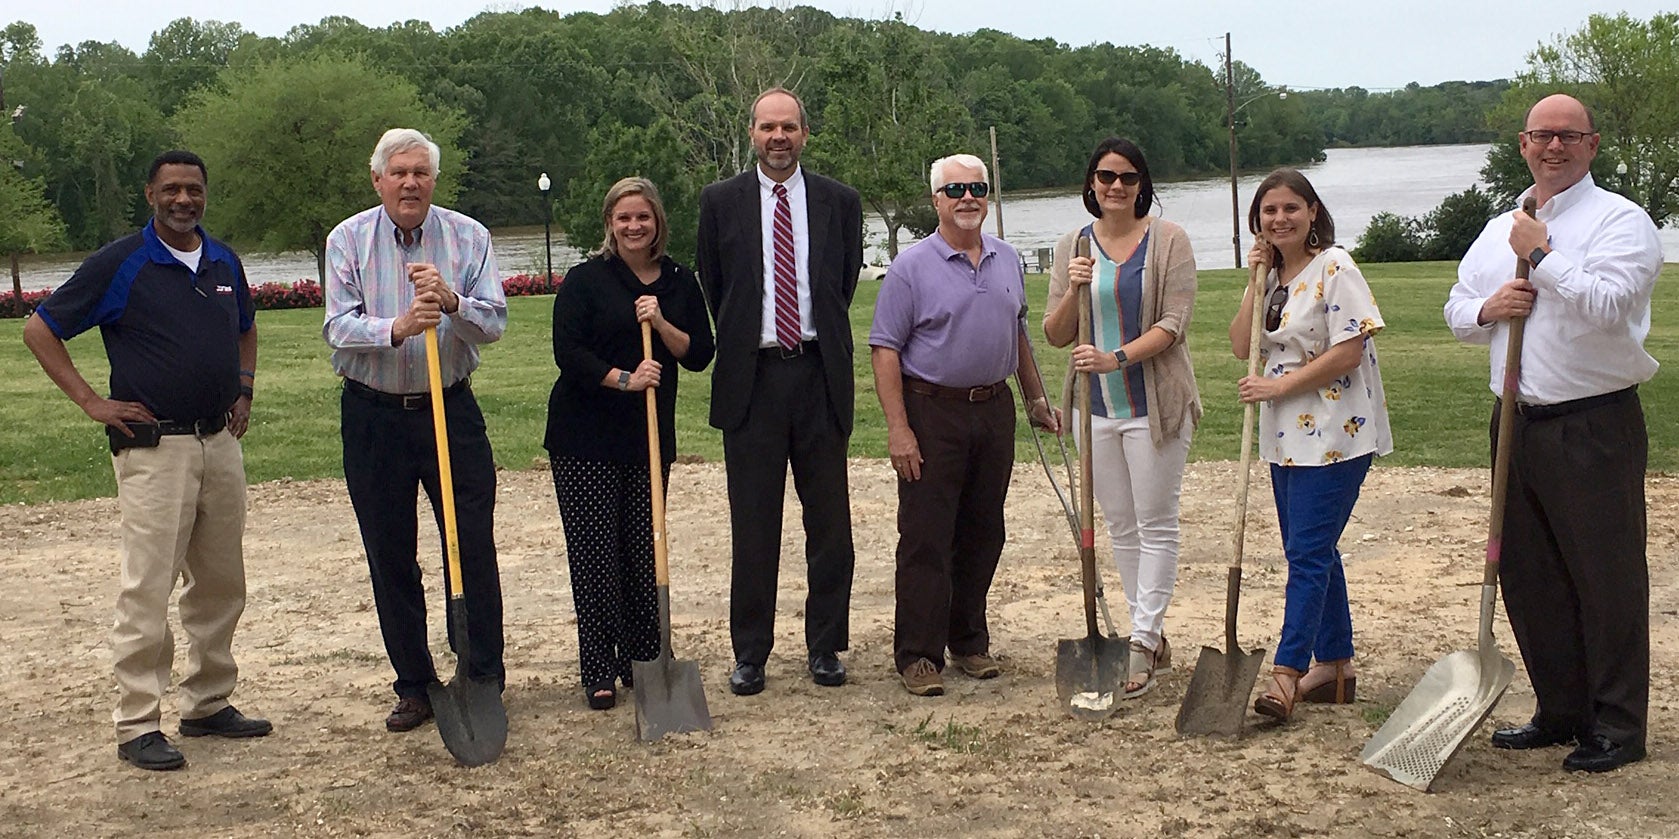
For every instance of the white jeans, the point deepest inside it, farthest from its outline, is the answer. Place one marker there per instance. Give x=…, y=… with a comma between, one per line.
x=1136, y=484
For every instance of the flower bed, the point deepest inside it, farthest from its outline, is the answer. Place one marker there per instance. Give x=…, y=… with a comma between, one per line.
x=303, y=294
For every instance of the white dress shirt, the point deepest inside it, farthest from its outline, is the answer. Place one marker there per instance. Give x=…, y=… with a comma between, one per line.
x=1586, y=334
x=801, y=252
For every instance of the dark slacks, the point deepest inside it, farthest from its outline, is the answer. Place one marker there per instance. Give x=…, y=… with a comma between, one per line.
x=950, y=525
x=388, y=453
x=608, y=522
x=1573, y=570
x=789, y=422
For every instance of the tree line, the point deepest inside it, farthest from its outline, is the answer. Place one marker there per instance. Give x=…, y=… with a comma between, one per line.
x=287, y=122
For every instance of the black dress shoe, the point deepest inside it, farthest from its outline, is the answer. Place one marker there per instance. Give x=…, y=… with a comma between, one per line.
x=1530, y=736
x=227, y=722
x=1598, y=753
x=827, y=670
x=747, y=679
x=151, y=750
x=410, y=712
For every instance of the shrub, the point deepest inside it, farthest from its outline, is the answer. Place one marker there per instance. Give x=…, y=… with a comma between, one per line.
x=303, y=294
x=530, y=285
x=1390, y=237
x=11, y=307
x=1455, y=224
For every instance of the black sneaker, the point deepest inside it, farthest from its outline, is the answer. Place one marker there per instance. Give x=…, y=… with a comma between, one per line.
x=227, y=722
x=151, y=750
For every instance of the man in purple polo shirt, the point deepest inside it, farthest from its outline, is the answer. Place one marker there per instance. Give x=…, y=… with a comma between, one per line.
x=947, y=334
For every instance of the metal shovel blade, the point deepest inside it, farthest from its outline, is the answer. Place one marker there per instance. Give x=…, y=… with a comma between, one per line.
x=1216, y=702
x=470, y=716
x=1089, y=675
x=1433, y=724
x=669, y=696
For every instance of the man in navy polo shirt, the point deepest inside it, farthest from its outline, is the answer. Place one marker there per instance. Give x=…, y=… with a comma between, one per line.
x=175, y=313
x=947, y=334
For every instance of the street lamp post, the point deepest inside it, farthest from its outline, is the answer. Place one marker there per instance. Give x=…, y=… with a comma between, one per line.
x=543, y=184
x=1231, y=110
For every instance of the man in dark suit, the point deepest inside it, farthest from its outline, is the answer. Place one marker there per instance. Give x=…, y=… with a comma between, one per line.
x=779, y=252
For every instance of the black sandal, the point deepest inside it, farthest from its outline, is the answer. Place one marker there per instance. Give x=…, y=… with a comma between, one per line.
x=601, y=696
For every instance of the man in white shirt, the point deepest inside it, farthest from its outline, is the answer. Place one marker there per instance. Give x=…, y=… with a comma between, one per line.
x=1573, y=570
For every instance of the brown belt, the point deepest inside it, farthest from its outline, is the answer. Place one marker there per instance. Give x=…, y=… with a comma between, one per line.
x=966, y=394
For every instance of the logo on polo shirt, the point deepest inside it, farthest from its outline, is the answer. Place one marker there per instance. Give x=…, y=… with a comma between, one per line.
x=224, y=289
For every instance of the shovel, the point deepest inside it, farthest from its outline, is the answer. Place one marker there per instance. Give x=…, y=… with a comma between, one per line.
x=1067, y=506
x=1216, y=701
x=669, y=698
x=1458, y=692
x=1089, y=670
x=469, y=712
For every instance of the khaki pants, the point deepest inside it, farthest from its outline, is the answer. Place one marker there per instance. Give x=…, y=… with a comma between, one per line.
x=183, y=514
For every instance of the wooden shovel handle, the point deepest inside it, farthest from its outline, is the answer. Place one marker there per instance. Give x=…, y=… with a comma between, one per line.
x=445, y=477
x=655, y=471
x=1506, y=423
x=1087, y=493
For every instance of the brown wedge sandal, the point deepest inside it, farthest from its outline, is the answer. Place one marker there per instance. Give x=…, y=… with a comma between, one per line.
x=1339, y=690
x=1280, y=695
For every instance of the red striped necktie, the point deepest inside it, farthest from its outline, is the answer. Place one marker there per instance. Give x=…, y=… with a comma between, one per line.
x=786, y=274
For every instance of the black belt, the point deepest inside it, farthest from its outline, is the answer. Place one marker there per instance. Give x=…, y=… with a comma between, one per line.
x=804, y=348
x=200, y=428
x=405, y=401
x=1535, y=413
x=966, y=394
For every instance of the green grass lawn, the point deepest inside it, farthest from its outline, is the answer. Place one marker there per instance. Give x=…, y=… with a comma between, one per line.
x=1437, y=390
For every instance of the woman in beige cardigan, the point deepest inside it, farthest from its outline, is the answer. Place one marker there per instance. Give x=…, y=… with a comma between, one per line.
x=1143, y=401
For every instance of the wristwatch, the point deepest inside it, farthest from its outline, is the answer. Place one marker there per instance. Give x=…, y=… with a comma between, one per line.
x=623, y=380
x=1538, y=254
x=1120, y=359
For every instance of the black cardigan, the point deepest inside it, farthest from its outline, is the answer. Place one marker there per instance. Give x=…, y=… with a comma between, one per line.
x=595, y=330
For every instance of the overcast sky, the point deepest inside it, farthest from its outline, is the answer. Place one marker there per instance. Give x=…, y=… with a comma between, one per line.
x=1375, y=45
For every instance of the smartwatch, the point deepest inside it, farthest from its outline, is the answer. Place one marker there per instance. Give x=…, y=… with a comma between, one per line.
x=1119, y=357
x=623, y=380
x=1533, y=258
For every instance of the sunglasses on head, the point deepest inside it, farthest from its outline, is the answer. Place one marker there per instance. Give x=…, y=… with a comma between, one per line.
x=1274, y=307
x=1107, y=176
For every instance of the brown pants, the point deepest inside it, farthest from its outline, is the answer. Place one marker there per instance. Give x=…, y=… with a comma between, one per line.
x=950, y=525
x=183, y=515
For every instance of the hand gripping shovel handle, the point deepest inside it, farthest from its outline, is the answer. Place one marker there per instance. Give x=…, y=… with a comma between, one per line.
x=1506, y=428
x=445, y=477
x=1233, y=578
x=1087, y=496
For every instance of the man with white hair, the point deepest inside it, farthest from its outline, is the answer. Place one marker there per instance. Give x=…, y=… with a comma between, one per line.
x=947, y=334
x=395, y=271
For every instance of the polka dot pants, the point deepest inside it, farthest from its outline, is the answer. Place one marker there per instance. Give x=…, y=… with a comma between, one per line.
x=609, y=546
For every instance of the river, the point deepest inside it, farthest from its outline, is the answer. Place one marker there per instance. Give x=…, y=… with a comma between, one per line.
x=1354, y=184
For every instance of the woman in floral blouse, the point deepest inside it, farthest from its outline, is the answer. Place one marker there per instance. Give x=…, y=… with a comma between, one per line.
x=1322, y=419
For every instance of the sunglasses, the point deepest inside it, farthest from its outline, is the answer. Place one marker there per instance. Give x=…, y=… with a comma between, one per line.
x=979, y=189
x=1274, y=307
x=1107, y=177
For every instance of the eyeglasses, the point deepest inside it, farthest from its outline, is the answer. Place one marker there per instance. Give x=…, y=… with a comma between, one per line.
x=1568, y=138
x=1274, y=307
x=979, y=189
x=1107, y=177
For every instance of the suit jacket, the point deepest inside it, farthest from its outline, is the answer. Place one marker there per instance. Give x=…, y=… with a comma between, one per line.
x=731, y=268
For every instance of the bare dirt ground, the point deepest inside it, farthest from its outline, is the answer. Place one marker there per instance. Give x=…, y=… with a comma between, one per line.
x=994, y=758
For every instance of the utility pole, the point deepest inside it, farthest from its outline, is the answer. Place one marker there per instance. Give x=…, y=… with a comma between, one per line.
x=1230, y=119
x=997, y=181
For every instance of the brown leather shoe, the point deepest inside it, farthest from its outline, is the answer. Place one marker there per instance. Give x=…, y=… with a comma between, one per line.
x=410, y=712
x=922, y=678
x=977, y=666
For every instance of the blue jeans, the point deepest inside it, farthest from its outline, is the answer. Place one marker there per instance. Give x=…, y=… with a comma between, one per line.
x=1313, y=505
